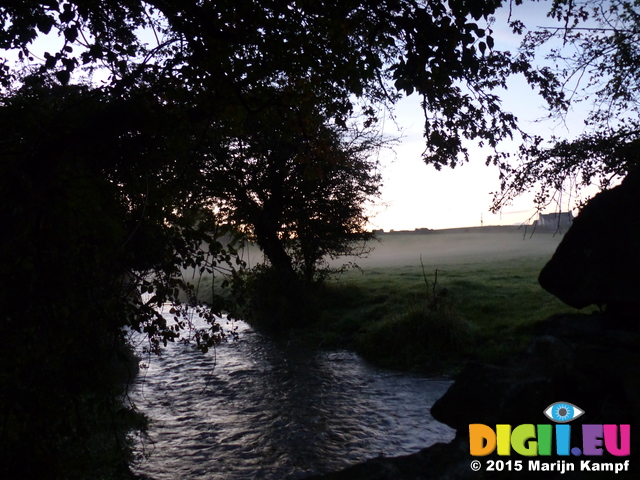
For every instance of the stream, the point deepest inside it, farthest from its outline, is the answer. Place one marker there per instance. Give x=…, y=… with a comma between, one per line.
x=256, y=409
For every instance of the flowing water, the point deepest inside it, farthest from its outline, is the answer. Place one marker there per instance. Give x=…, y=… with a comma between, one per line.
x=256, y=409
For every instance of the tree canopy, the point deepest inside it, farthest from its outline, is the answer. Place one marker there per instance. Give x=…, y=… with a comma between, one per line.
x=594, y=59
x=236, y=57
x=301, y=192
x=93, y=216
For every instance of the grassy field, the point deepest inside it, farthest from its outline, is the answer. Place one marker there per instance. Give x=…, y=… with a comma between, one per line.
x=432, y=302
x=483, y=306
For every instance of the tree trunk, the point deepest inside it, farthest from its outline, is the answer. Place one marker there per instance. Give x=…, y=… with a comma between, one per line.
x=271, y=244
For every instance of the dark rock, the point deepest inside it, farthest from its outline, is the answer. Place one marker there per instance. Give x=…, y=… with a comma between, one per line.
x=598, y=260
x=573, y=326
x=489, y=394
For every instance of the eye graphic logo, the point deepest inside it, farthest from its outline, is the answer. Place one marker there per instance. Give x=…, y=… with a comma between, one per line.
x=563, y=412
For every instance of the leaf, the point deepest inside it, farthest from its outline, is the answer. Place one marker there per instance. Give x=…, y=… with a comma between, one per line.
x=68, y=14
x=44, y=24
x=63, y=76
x=71, y=33
x=50, y=60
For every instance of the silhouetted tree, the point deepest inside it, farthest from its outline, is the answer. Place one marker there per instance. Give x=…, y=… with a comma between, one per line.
x=229, y=55
x=300, y=190
x=594, y=57
x=91, y=212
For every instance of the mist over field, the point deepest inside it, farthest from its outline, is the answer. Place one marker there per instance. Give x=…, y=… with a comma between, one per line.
x=446, y=247
x=459, y=246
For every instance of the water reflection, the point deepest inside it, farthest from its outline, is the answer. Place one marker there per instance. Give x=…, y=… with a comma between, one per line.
x=255, y=409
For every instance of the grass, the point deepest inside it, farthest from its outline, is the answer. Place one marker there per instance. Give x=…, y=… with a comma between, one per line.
x=387, y=312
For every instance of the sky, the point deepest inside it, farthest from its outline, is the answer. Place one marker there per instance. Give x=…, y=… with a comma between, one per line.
x=416, y=195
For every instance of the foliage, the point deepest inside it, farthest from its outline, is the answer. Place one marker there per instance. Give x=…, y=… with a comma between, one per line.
x=90, y=214
x=260, y=80
x=302, y=197
x=594, y=58
x=300, y=191
x=274, y=302
x=235, y=58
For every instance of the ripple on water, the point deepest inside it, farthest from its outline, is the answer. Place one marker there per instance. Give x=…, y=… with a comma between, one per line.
x=253, y=409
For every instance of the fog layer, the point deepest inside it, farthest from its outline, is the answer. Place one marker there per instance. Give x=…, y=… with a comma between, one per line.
x=459, y=246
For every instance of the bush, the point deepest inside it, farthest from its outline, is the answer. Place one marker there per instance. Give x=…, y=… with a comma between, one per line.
x=266, y=298
x=428, y=335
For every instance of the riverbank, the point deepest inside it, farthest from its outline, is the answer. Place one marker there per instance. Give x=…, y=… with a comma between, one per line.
x=432, y=302
x=393, y=318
